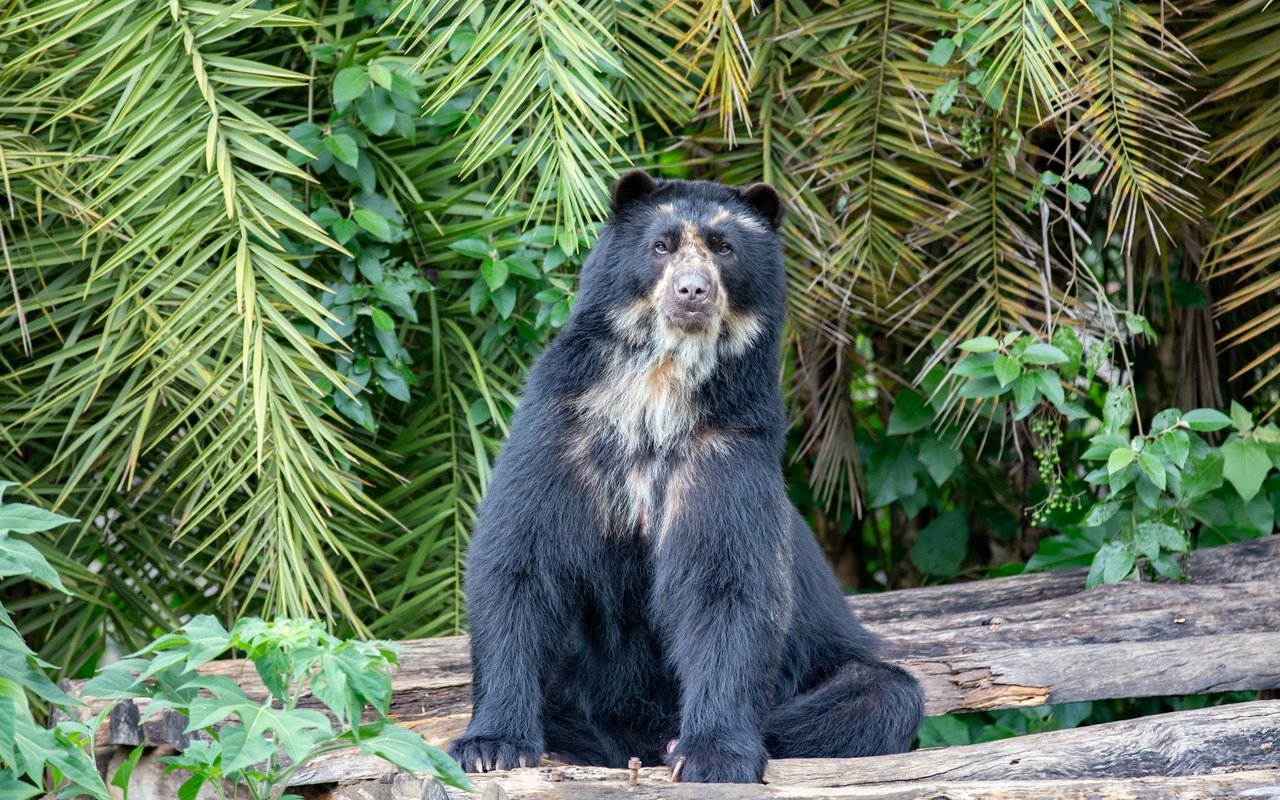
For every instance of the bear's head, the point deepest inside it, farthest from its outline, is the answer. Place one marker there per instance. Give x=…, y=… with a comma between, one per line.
x=688, y=262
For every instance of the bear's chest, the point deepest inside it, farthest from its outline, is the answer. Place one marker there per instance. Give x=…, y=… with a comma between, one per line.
x=636, y=438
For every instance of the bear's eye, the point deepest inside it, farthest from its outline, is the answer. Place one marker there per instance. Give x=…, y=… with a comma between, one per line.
x=724, y=249
x=660, y=248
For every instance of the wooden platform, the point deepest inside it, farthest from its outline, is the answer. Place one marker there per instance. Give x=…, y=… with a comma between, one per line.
x=1009, y=642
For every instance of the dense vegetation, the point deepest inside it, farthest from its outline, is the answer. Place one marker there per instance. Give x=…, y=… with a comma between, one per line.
x=274, y=273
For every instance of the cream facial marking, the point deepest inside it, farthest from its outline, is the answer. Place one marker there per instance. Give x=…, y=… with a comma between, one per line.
x=724, y=215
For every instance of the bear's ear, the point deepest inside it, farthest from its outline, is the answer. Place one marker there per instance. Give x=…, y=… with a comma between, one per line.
x=633, y=186
x=765, y=199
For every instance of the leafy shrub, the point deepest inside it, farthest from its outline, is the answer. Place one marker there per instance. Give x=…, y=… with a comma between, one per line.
x=258, y=743
x=26, y=746
x=1154, y=489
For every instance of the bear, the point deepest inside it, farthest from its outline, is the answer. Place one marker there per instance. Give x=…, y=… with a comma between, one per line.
x=638, y=582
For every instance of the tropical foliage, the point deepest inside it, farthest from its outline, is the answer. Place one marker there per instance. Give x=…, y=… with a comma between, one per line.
x=274, y=271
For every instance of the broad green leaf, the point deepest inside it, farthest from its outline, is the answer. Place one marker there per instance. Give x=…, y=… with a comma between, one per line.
x=1043, y=354
x=376, y=111
x=939, y=458
x=1113, y=563
x=24, y=518
x=910, y=413
x=373, y=222
x=1206, y=419
x=349, y=84
x=1120, y=458
x=941, y=546
x=1245, y=465
x=1241, y=418
x=980, y=344
x=1152, y=467
x=495, y=273
x=1100, y=513
x=941, y=52
x=472, y=247
x=410, y=751
x=1007, y=369
x=380, y=75
x=343, y=148
x=21, y=559
x=504, y=299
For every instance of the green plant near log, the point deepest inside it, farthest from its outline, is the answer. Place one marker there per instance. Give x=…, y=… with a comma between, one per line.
x=28, y=747
x=255, y=744
x=1154, y=487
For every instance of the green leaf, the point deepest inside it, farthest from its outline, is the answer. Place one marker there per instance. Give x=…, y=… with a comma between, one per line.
x=472, y=247
x=559, y=313
x=1078, y=193
x=206, y=639
x=1177, y=445
x=941, y=546
x=376, y=111
x=382, y=320
x=343, y=148
x=944, y=97
x=1206, y=419
x=125, y=771
x=1007, y=369
x=1066, y=340
x=24, y=518
x=373, y=222
x=1245, y=465
x=380, y=75
x=980, y=344
x=495, y=273
x=409, y=751
x=1051, y=385
x=349, y=84
x=939, y=458
x=504, y=299
x=1117, y=410
x=1120, y=458
x=1241, y=418
x=1166, y=536
x=1146, y=542
x=1152, y=467
x=941, y=52
x=910, y=413
x=1100, y=513
x=1044, y=354
x=21, y=559
x=1112, y=564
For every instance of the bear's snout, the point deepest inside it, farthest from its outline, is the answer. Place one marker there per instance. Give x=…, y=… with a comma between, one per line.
x=691, y=299
x=691, y=286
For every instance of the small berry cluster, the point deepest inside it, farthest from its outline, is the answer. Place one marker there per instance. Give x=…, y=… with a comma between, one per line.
x=1047, y=436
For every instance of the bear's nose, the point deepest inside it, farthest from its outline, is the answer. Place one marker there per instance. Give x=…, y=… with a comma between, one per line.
x=691, y=286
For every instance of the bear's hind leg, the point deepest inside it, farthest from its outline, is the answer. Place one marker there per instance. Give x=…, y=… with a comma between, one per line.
x=862, y=709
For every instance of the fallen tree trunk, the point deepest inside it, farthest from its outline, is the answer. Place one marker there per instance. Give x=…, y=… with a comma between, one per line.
x=1183, y=754
x=1020, y=641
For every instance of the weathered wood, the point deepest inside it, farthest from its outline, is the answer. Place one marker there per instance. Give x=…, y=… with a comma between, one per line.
x=1139, y=757
x=1009, y=642
x=1262, y=784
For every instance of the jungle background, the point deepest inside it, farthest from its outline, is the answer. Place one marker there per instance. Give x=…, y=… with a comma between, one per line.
x=273, y=273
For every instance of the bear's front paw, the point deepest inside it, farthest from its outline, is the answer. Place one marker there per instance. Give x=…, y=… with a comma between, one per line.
x=486, y=753
x=719, y=762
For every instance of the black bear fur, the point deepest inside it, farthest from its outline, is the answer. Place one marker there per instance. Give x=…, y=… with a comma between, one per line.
x=638, y=582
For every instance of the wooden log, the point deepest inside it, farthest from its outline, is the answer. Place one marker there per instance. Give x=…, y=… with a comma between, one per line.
x=1143, y=757
x=1258, y=784
x=1010, y=642
x=1262, y=784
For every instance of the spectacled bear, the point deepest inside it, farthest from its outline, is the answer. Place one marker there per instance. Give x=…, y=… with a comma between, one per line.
x=638, y=582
